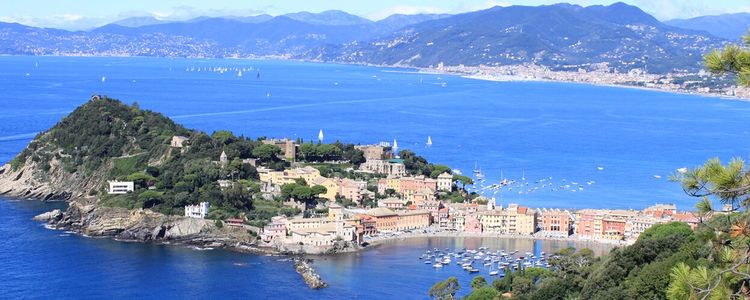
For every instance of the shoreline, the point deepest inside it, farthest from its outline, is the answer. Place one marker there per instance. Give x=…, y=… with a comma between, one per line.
x=447, y=234
x=434, y=71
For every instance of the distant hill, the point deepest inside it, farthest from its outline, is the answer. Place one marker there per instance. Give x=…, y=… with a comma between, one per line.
x=561, y=36
x=728, y=26
x=139, y=21
x=329, y=17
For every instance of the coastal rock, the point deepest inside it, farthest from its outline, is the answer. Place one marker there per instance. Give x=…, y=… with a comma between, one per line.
x=186, y=227
x=50, y=216
x=311, y=278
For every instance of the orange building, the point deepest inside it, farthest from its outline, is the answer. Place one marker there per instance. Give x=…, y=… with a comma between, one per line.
x=556, y=221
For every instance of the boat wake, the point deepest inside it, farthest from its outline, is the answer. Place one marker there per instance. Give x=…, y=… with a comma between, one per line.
x=17, y=137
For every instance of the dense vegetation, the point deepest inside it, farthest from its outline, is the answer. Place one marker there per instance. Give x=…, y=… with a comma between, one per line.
x=109, y=140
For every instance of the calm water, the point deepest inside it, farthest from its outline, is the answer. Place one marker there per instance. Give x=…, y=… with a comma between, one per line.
x=39, y=263
x=542, y=130
x=539, y=130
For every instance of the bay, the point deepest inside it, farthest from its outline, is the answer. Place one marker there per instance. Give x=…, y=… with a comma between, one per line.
x=532, y=129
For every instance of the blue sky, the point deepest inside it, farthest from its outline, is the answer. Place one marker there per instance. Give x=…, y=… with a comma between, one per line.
x=77, y=14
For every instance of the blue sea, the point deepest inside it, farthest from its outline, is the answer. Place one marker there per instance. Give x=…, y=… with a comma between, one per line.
x=551, y=134
x=39, y=263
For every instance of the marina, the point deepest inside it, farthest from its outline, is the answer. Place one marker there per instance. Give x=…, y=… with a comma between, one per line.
x=484, y=261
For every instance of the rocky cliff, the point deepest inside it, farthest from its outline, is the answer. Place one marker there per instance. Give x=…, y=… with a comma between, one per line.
x=145, y=225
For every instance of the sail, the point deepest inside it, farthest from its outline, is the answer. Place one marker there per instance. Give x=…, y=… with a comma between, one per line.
x=320, y=136
x=429, y=141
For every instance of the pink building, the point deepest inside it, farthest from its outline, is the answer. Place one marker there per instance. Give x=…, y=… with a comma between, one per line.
x=472, y=224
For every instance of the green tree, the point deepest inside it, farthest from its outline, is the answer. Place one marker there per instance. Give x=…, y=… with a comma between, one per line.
x=445, y=290
x=522, y=286
x=733, y=59
x=483, y=293
x=464, y=180
x=318, y=190
x=478, y=282
x=267, y=152
x=223, y=137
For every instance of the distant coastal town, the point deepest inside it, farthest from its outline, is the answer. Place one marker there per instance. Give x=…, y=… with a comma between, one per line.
x=701, y=82
x=392, y=204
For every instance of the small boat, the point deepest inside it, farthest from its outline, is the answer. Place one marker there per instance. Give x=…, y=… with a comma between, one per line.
x=104, y=78
x=239, y=73
x=429, y=141
x=427, y=262
x=600, y=168
x=494, y=273
x=657, y=176
x=473, y=270
x=437, y=265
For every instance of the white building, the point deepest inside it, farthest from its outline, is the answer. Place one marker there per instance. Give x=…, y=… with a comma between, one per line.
x=445, y=182
x=197, y=211
x=178, y=141
x=120, y=187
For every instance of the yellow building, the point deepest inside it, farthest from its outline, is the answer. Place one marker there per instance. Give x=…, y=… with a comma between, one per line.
x=514, y=219
x=332, y=187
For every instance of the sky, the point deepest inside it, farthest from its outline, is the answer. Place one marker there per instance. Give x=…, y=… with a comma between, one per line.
x=83, y=14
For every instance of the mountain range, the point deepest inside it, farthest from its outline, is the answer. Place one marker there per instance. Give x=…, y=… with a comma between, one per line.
x=560, y=36
x=728, y=26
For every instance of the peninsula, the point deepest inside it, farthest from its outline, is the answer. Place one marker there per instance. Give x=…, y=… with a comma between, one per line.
x=133, y=174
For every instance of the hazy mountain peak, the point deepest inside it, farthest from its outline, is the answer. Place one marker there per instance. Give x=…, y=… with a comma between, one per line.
x=728, y=26
x=328, y=17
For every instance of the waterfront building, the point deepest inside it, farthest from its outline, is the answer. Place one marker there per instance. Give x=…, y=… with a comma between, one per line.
x=514, y=219
x=386, y=220
x=638, y=224
x=413, y=219
x=472, y=224
x=602, y=224
x=297, y=224
x=445, y=182
x=198, y=211
x=274, y=230
x=459, y=220
x=444, y=220
x=661, y=210
x=120, y=187
x=613, y=228
x=556, y=222
x=178, y=141
x=367, y=224
x=393, y=167
x=325, y=235
x=288, y=147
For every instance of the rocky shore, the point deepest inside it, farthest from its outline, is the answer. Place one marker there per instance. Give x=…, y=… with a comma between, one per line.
x=312, y=279
x=144, y=225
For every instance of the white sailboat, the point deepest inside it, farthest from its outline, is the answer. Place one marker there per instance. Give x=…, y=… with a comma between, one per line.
x=320, y=136
x=104, y=78
x=239, y=73
x=395, y=148
x=429, y=141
